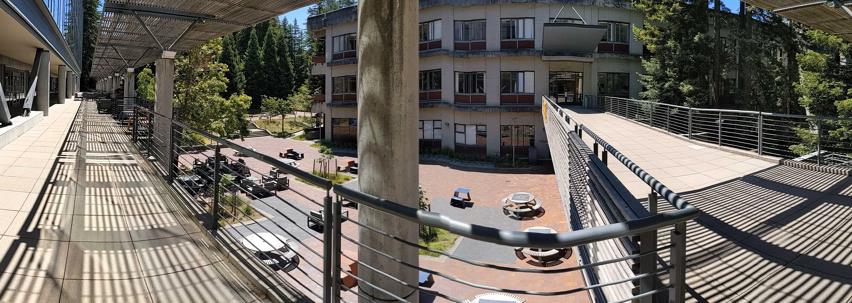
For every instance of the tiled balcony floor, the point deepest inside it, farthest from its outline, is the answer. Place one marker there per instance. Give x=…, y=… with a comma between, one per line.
x=765, y=233
x=83, y=221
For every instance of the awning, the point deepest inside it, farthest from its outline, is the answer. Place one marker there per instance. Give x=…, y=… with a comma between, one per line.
x=571, y=39
x=830, y=16
x=135, y=32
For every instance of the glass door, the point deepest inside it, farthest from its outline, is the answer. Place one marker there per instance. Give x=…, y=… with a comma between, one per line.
x=566, y=87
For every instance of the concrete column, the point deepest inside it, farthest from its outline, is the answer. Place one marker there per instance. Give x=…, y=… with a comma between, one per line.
x=116, y=83
x=61, y=83
x=42, y=101
x=388, y=65
x=69, y=83
x=129, y=89
x=164, y=87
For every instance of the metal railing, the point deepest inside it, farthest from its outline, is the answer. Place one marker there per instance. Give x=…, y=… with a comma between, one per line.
x=225, y=191
x=805, y=138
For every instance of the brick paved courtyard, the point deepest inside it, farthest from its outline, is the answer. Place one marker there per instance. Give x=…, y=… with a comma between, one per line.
x=439, y=181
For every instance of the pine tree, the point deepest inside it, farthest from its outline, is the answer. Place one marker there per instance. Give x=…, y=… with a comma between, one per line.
x=272, y=82
x=232, y=58
x=254, y=70
x=284, y=67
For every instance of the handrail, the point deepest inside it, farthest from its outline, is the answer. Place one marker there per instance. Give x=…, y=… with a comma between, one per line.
x=672, y=197
x=324, y=183
x=738, y=111
x=518, y=238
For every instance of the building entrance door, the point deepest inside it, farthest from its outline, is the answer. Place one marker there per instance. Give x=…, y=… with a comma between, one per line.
x=566, y=87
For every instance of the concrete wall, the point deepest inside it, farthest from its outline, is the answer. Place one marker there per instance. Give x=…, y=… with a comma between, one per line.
x=492, y=64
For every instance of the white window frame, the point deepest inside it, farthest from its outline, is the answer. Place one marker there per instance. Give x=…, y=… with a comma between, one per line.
x=339, y=42
x=525, y=83
x=433, y=30
x=464, y=29
x=522, y=28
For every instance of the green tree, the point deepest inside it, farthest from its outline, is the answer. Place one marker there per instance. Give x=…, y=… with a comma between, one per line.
x=91, y=22
x=255, y=76
x=324, y=6
x=145, y=84
x=301, y=99
x=284, y=69
x=233, y=116
x=271, y=82
x=232, y=58
x=278, y=107
x=675, y=33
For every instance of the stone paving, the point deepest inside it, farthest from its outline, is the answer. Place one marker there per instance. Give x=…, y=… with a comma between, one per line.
x=765, y=233
x=284, y=215
x=83, y=221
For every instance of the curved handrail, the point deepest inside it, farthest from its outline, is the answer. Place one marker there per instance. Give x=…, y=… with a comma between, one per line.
x=518, y=238
x=672, y=197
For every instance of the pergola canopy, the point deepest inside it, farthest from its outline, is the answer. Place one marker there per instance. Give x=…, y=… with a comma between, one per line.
x=834, y=16
x=136, y=32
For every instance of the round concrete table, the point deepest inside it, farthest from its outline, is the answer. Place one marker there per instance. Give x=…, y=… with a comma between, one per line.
x=268, y=242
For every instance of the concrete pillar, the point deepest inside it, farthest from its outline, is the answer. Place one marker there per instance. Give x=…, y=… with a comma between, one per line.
x=61, y=83
x=69, y=84
x=42, y=101
x=116, y=83
x=129, y=89
x=388, y=65
x=164, y=87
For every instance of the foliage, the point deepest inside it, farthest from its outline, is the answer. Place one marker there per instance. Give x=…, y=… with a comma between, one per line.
x=199, y=82
x=277, y=107
x=232, y=58
x=442, y=241
x=254, y=72
x=324, y=6
x=145, y=84
x=289, y=126
x=91, y=22
x=675, y=32
x=427, y=233
x=301, y=99
x=825, y=87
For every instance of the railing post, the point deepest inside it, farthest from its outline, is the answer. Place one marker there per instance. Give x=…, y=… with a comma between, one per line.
x=819, y=141
x=689, y=127
x=668, y=119
x=217, y=178
x=171, y=169
x=760, y=133
x=150, y=134
x=604, y=157
x=328, y=249
x=647, y=264
x=135, y=124
x=720, y=129
x=595, y=148
x=651, y=115
x=652, y=203
x=677, y=276
x=335, y=260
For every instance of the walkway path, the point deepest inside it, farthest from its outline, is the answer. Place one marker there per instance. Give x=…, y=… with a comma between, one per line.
x=766, y=232
x=82, y=220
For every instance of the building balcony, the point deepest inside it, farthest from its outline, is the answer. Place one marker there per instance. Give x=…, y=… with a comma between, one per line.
x=318, y=59
x=427, y=96
x=613, y=48
x=469, y=45
x=427, y=45
x=517, y=44
x=517, y=99
x=343, y=55
x=470, y=99
x=319, y=98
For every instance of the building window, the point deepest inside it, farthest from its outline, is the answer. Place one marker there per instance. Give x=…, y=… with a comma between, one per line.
x=343, y=43
x=614, y=84
x=430, y=130
x=343, y=85
x=471, y=30
x=471, y=134
x=516, y=28
x=470, y=82
x=616, y=32
x=567, y=20
x=517, y=83
x=515, y=141
x=344, y=130
x=430, y=31
x=430, y=80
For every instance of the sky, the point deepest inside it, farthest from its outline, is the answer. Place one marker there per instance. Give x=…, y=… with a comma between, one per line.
x=302, y=13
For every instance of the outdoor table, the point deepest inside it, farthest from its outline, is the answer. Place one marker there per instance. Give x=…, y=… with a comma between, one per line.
x=542, y=255
x=424, y=278
x=521, y=203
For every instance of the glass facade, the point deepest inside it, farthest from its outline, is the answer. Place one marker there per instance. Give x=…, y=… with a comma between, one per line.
x=68, y=16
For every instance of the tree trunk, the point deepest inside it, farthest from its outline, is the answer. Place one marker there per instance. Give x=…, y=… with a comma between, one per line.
x=740, y=42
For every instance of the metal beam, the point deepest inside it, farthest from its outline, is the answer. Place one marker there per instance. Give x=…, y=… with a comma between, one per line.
x=797, y=6
x=120, y=55
x=150, y=33
x=154, y=11
x=191, y=25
